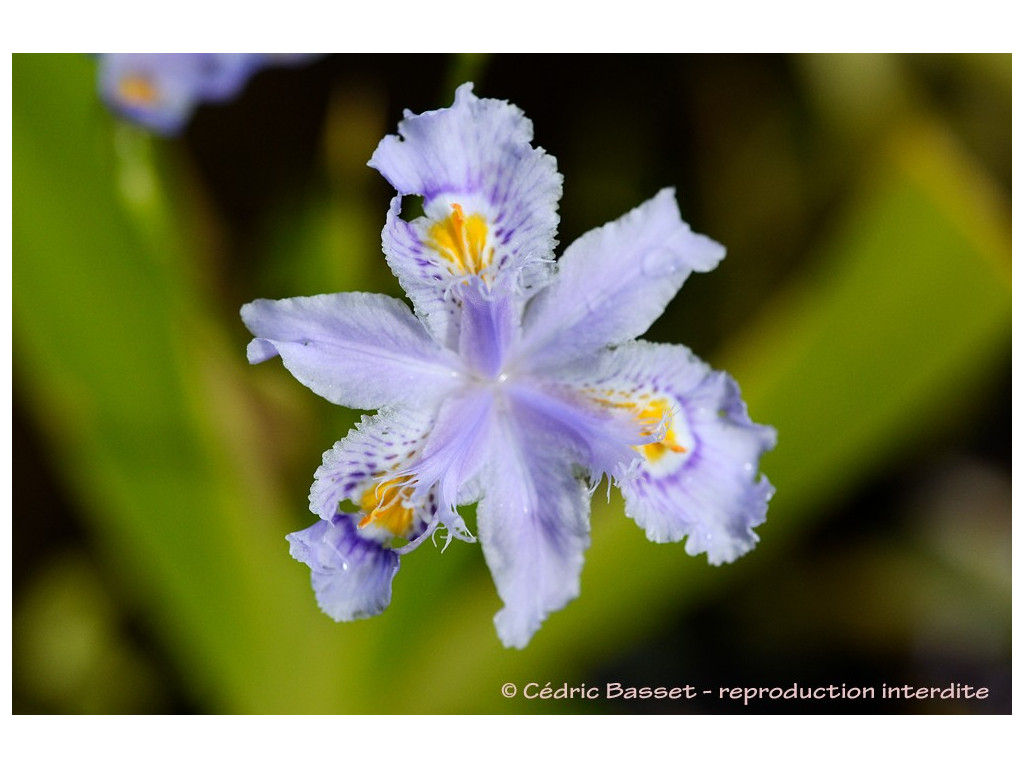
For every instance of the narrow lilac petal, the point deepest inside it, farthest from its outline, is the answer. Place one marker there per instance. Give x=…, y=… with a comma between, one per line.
x=534, y=528
x=599, y=439
x=359, y=350
x=351, y=575
x=474, y=157
x=458, y=448
x=489, y=326
x=614, y=282
x=359, y=466
x=708, y=489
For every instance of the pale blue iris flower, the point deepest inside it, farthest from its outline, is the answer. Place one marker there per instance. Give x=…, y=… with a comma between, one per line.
x=515, y=382
x=160, y=91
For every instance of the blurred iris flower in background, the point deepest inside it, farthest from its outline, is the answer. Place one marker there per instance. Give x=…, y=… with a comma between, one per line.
x=864, y=308
x=160, y=91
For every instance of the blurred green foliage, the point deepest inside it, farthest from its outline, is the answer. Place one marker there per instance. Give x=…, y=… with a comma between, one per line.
x=864, y=308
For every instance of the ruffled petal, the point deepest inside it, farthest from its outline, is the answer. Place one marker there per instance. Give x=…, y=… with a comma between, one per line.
x=490, y=202
x=351, y=575
x=456, y=451
x=359, y=350
x=700, y=480
x=534, y=528
x=368, y=468
x=613, y=283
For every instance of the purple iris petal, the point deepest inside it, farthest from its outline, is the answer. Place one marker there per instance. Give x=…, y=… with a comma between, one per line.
x=382, y=446
x=534, y=528
x=351, y=575
x=614, y=282
x=458, y=446
x=598, y=438
x=708, y=492
x=489, y=326
x=355, y=349
x=475, y=155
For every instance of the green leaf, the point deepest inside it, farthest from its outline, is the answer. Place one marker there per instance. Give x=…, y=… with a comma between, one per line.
x=125, y=365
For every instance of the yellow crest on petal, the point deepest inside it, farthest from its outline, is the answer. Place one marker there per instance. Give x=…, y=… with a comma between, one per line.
x=659, y=418
x=461, y=241
x=387, y=506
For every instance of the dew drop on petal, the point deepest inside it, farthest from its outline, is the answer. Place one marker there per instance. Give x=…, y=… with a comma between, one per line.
x=659, y=262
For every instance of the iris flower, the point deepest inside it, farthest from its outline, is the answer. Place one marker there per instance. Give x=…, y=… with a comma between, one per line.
x=161, y=90
x=515, y=382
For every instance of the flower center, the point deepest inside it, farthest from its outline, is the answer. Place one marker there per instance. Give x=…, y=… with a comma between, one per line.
x=138, y=90
x=462, y=242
